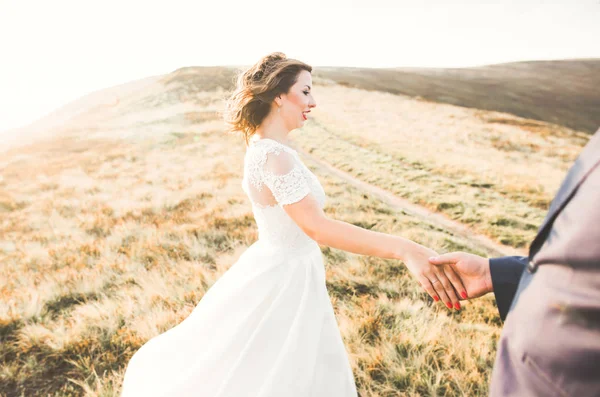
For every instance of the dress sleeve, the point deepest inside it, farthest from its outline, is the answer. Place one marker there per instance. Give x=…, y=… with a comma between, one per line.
x=284, y=177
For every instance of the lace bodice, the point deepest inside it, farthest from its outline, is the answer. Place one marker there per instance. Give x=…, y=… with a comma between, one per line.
x=275, y=176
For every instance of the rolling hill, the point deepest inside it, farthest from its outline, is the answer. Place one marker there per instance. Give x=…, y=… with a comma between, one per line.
x=560, y=92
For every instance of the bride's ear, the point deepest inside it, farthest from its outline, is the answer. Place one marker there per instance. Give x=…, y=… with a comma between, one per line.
x=278, y=101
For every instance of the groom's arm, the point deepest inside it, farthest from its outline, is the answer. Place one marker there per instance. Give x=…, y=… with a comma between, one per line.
x=506, y=273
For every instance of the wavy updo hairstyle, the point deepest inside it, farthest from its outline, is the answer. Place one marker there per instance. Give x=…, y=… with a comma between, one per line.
x=256, y=90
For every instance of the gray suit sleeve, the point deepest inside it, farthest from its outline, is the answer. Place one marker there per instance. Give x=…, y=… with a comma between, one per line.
x=506, y=273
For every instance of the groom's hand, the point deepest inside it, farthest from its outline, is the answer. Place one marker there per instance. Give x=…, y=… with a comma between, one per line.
x=440, y=282
x=473, y=270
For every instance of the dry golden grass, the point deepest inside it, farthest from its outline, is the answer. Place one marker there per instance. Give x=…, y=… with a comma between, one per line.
x=111, y=234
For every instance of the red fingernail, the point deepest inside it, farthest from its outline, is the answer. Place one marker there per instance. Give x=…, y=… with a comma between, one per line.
x=449, y=305
x=436, y=298
x=457, y=305
x=463, y=294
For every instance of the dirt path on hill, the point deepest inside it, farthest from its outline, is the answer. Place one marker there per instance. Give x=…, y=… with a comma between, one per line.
x=417, y=210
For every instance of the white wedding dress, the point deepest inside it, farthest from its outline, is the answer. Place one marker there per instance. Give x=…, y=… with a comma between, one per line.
x=266, y=328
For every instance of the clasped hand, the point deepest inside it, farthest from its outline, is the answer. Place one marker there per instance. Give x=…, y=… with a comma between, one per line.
x=440, y=281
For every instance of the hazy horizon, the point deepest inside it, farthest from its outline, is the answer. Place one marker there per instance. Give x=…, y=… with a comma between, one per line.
x=66, y=50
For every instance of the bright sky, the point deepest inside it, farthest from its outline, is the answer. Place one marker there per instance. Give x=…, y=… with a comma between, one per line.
x=54, y=52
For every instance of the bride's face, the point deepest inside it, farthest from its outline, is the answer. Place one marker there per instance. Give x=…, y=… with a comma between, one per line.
x=297, y=103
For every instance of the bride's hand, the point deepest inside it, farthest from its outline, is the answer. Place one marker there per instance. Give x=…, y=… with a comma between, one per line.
x=433, y=278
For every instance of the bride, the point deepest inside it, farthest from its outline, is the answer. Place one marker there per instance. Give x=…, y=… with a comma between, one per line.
x=267, y=328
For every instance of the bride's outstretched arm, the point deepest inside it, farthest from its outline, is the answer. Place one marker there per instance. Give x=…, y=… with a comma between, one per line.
x=342, y=235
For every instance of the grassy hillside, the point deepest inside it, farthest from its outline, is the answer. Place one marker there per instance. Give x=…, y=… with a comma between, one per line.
x=559, y=92
x=113, y=228
x=116, y=242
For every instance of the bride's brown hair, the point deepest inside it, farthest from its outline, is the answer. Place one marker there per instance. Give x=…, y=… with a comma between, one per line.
x=256, y=89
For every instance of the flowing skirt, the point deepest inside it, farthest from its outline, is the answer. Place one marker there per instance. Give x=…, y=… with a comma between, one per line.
x=266, y=328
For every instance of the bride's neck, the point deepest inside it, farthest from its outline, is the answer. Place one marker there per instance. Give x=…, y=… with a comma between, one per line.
x=273, y=128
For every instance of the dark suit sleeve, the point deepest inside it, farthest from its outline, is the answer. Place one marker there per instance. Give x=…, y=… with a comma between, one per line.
x=506, y=273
